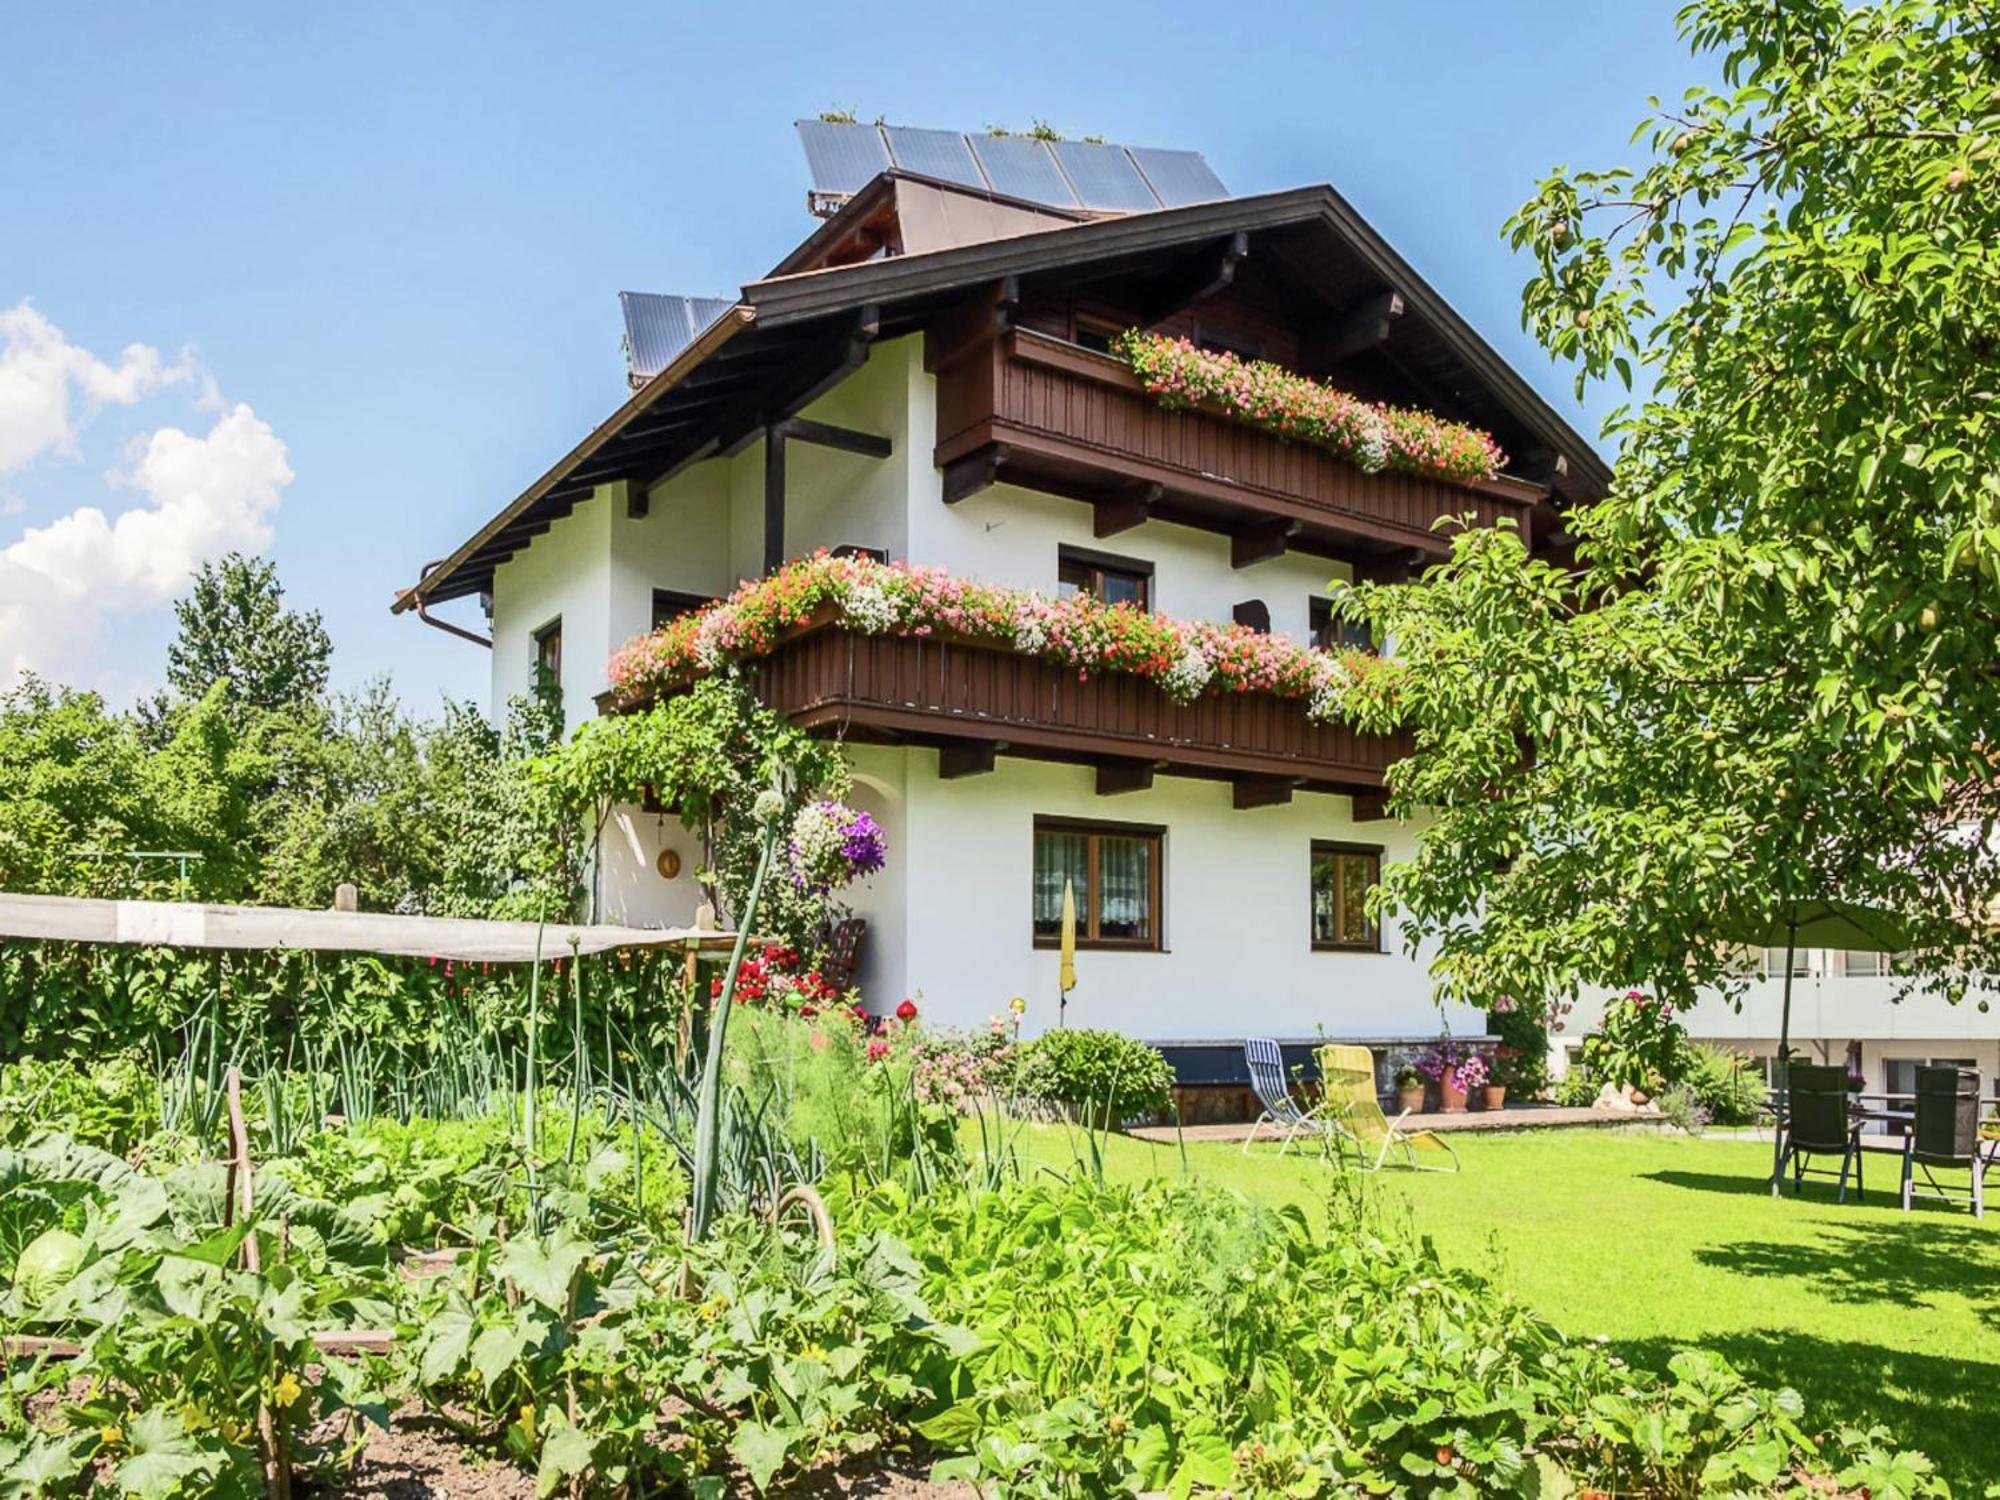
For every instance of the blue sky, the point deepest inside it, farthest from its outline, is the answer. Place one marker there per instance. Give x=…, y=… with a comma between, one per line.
x=395, y=234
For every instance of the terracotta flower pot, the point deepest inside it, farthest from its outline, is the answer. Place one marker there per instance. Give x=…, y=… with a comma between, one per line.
x=1411, y=1098
x=1493, y=1096
x=1451, y=1093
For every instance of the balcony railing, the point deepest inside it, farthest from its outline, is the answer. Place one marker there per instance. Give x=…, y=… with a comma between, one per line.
x=1027, y=409
x=943, y=691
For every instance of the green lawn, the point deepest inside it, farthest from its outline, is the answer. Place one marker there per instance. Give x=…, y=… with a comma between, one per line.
x=1659, y=1241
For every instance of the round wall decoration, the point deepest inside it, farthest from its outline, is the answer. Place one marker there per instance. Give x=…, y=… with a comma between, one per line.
x=668, y=864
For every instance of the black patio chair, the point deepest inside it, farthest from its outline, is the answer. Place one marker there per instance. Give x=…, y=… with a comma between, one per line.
x=1946, y=1133
x=1819, y=1123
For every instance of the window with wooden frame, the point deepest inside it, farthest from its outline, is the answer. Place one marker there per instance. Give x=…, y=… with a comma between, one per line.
x=1116, y=872
x=1095, y=333
x=1332, y=633
x=548, y=653
x=1114, y=580
x=1342, y=876
x=670, y=604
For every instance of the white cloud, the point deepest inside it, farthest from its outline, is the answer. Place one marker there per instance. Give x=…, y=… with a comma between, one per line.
x=43, y=375
x=200, y=496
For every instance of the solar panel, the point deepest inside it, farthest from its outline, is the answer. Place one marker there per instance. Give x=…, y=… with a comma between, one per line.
x=843, y=158
x=1179, y=177
x=1104, y=177
x=934, y=153
x=657, y=328
x=1021, y=167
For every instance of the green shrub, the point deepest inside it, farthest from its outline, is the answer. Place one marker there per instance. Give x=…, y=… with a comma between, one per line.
x=1578, y=1088
x=1102, y=1075
x=1522, y=1061
x=1724, y=1085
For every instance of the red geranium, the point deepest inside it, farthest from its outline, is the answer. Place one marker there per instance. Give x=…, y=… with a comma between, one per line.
x=906, y=1012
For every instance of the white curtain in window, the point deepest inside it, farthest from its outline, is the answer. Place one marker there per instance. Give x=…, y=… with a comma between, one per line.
x=1059, y=857
x=1125, y=887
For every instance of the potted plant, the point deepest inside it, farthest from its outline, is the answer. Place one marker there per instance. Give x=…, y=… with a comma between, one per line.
x=1501, y=1071
x=1475, y=1076
x=1409, y=1089
x=1441, y=1065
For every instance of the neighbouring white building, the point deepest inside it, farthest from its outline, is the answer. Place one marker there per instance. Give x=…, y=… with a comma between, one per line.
x=927, y=378
x=1838, y=998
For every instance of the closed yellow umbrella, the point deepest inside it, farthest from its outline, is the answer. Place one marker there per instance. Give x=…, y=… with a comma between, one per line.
x=1066, y=976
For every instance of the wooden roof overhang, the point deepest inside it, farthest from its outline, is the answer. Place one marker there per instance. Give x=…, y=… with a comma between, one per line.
x=793, y=336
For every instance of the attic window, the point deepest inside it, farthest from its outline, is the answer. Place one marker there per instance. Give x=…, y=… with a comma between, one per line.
x=1095, y=334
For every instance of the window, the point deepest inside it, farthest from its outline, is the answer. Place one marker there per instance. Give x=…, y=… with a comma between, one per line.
x=548, y=654
x=1342, y=876
x=1115, y=580
x=1859, y=965
x=1774, y=962
x=1095, y=333
x=1114, y=869
x=1331, y=633
x=670, y=604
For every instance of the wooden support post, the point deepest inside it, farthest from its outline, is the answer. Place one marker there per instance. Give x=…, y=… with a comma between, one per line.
x=1118, y=776
x=774, y=498
x=967, y=758
x=1124, y=510
x=1261, y=543
x=1370, y=807
x=1262, y=791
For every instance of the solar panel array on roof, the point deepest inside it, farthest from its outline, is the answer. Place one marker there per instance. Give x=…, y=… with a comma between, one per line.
x=1104, y=177
x=658, y=327
x=935, y=153
x=1098, y=178
x=843, y=158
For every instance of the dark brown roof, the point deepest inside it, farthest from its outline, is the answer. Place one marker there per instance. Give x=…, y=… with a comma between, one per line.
x=793, y=333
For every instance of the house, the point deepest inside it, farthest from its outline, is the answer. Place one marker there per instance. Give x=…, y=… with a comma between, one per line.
x=928, y=378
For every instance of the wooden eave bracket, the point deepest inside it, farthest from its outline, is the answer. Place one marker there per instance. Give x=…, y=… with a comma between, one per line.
x=1198, y=279
x=958, y=758
x=1115, y=777
x=1263, y=791
x=1364, y=325
x=966, y=477
x=1261, y=543
x=1128, y=508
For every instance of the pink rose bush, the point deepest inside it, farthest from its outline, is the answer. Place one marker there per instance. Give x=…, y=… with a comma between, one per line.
x=1370, y=436
x=1184, y=658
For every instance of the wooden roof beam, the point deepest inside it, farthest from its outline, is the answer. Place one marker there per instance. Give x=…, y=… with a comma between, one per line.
x=1197, y=279
x=826, y=435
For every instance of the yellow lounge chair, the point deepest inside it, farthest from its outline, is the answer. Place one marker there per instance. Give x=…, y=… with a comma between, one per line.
x=1354, y=1115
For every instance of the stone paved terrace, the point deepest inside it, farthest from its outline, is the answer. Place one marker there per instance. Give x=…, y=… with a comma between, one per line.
x=1513, y=1117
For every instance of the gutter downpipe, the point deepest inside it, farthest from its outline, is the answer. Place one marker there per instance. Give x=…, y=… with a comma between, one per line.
x=415, y=596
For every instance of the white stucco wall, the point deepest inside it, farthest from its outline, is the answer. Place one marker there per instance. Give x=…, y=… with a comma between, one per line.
x=564, y=573
x=1236, y=919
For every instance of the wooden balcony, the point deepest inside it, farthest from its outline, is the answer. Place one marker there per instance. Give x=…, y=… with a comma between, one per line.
x=1019, y=407
x=975, y=700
